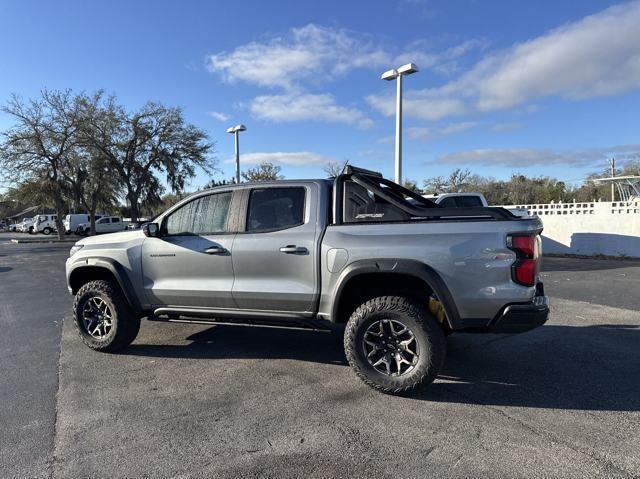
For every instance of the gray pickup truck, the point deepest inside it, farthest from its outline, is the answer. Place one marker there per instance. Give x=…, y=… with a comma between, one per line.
x=400, y=271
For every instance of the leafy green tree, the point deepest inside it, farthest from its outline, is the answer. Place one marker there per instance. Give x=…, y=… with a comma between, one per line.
x=142, y=145
x=412, y=185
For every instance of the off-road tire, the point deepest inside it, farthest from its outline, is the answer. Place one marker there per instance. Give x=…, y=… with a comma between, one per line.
x=125, y=323
x=427, y=332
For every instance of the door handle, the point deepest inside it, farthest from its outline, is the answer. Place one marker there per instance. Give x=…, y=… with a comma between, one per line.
x=293, y=249
x=216, y=250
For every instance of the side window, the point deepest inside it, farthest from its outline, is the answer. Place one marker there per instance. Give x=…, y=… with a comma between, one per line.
x=115, y=220
x=468, y=201
x=449, y=202
x=363, y=205
x=275, y=208
x=102, y=221
x=204, y=215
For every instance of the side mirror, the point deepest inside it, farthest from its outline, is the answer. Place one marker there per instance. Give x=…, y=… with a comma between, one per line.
x=152, y=230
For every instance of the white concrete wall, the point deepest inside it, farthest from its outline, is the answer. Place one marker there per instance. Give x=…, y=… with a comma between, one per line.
x=607, y=228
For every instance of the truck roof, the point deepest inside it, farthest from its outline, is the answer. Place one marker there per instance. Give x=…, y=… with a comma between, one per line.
x=252, y=184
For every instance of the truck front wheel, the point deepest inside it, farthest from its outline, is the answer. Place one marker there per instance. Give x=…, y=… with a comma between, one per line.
x=394, y=344
x=103, y=317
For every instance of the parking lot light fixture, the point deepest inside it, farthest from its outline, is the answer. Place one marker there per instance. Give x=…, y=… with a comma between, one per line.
x=397, y=74
x=235, y=130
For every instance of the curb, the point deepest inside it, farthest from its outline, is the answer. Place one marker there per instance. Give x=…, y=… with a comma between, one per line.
x=42, y=241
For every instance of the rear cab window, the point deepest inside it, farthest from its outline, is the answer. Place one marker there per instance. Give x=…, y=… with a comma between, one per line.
x=275, y=208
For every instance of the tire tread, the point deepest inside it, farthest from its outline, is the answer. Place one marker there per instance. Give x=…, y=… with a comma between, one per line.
x=128, y=324
x=407, y=307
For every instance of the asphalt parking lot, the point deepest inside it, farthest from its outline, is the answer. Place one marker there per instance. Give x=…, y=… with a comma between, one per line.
x=201, y=401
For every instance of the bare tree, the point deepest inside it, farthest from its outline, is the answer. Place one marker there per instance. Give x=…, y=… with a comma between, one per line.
x=40, y=143
x=434, y=185
x=265, y=171
x=334, y=168
x=456, y=182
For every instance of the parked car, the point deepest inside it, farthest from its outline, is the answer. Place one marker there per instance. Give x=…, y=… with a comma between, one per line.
x=45, y=224
x=14, y=227
x=459, y=200
x=307, y=253
x=26, y=226
x=134, y=225
x=106, y=224
x=73, y=220
x=469, y=200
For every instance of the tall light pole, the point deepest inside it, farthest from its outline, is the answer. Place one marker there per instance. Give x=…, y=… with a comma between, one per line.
x=612, y=164
x=235, y=130
x=397, y=75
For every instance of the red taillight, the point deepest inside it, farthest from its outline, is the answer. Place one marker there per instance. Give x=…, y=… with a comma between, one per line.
x=525, y=269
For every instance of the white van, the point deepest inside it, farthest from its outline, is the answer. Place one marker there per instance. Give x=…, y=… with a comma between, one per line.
x=106, y=224
x=45, y=224
x=72, y=221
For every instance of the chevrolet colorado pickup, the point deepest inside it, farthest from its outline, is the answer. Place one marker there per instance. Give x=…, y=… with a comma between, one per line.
x=399, y=270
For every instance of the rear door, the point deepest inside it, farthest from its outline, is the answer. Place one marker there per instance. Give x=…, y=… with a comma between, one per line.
x=103, y=225
x=275, y=252
x=190, y=264
x=116, y=224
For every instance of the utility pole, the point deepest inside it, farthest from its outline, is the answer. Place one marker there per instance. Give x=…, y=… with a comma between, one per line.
x=612, y=163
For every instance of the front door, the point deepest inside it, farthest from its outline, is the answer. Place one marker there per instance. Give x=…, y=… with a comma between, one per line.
x=190, y=264
x=274, y=258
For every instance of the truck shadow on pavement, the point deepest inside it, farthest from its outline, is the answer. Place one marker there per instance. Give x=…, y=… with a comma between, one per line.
x=565, y=367
x=562, y=264
x=225, y=342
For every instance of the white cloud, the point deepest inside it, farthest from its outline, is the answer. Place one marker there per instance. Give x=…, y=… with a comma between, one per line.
x=523, y=157
x=426, y=133
x=312, y=55
x=312, y=51
x=444, y=62
x=422, y=104
x=598, y=55
x=292, y=107
x=500, y=127
x=300, y=158
x=218, y=115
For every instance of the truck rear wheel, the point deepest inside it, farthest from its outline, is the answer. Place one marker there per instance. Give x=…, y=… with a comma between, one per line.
x=47, y=230
x=394, y=344
x=103, y=318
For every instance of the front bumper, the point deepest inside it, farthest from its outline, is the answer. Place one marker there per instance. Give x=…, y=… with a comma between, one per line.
x=518, y=318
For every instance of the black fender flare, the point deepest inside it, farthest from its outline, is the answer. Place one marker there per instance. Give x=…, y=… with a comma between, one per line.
x=408, y=267
x=117, y=270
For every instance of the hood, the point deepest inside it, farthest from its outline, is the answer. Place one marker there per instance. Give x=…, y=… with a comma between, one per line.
x=119, y=237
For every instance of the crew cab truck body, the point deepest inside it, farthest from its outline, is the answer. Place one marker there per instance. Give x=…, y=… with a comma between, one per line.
x=401, y=274
x=45, y=224
x=104, y=224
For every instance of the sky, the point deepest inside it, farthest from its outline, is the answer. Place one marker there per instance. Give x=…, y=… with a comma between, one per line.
x=539, y=88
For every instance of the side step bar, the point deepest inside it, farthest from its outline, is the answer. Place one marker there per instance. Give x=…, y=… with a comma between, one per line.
x=299, y=324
